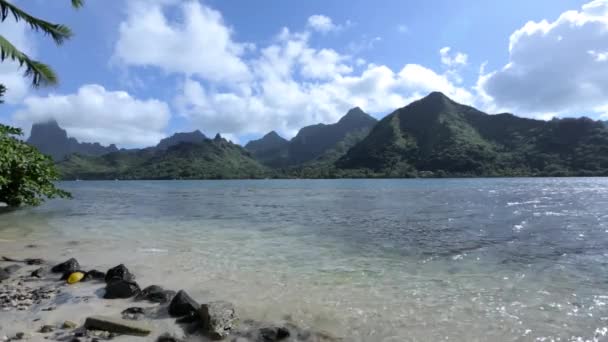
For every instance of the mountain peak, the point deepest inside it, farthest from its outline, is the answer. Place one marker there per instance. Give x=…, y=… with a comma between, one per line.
x=272, y=135
x=195, y=137
x=437, y=97
x=356, y=115
x=52, y=140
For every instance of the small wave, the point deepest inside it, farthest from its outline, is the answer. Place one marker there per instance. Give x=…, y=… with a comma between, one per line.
x=510, y=204
x=519, y=227
x=153, y=250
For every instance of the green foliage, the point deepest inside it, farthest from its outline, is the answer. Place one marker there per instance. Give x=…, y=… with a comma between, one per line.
x=211, y=159
x=26, y=175
x=437, y=137
x=40, y=73
x=433, y=137
x=313, y=142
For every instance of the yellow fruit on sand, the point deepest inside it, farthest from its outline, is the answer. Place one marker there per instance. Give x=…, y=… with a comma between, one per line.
x=75, y=277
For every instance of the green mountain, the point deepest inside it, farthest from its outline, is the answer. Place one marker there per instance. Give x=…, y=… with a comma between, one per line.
x=271, y=149
x=313, y=144
x=195, y=137
x=52, y=140
x=210, y=159
x=436, y=136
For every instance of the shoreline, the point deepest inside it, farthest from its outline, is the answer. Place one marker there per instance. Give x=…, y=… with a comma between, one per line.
x=111, y=305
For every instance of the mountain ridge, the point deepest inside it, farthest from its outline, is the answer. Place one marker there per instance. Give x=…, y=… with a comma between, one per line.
x=180, y=137
x=314, y=141
x=436, y=135
x=431, y=137
x=50, y=139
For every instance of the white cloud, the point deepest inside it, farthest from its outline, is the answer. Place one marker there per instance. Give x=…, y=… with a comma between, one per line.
x=554, y=67
x=94, y=114
x=11, y=75
x=277, y=101
x=322, y=23
x=199, y=44
x=285, y=85
x=456, y=59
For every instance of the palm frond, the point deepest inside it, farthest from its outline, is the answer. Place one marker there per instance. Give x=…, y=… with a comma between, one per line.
x=58, y=32
x=77, y=3
x=40, y=73
x=2, y=91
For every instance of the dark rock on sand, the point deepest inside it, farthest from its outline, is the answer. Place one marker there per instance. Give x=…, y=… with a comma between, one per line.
x=166, y=337
x=218, y=319
x=94, y=275
x=45, y=329
x=272, y=334
x=116, y=325
x=69, y=325
x=121, y=289
x=33, y=261
x=120, y=272
x=156, y=294
x=182, y=305
x=28, y=261
x=41, y=272
x=68, y=266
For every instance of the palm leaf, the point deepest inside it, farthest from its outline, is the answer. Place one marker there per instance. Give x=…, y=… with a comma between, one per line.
x=58, y=32
x=2, y=91
x=77, y=3
x=41, y=73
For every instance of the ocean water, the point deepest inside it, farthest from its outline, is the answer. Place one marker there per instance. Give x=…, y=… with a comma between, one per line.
x=367, y=260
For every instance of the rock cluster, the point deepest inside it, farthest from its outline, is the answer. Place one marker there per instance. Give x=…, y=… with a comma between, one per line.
x=216, y=320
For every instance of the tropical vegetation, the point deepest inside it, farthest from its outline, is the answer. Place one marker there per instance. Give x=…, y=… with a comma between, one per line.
x=26, y=175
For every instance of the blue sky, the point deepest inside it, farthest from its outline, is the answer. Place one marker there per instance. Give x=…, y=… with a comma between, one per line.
x=138, y=70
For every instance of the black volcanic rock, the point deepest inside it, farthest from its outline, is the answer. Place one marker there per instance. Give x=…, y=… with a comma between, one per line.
x=68, y=266
x=182, y=305
x=53, y=141
x=118, y=288
x=120, y=272
x=195, y=137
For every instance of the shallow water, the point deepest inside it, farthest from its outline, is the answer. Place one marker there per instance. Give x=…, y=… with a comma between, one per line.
x=369, y=260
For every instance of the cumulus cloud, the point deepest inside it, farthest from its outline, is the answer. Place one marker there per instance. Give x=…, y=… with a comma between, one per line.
x=277, y=99
x=452, y=59
x=556, y=66
x=322, y=23
x=94, y=114
x=282, y=86
x=199, y=44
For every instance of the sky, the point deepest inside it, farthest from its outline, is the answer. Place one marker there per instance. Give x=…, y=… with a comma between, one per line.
x=139, y=70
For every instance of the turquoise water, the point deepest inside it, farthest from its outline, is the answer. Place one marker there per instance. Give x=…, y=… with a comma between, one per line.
x=369, y=260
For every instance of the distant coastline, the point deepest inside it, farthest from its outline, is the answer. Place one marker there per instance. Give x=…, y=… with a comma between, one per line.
x=434, y=137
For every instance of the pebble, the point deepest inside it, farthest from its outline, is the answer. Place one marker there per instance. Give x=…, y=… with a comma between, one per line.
x=47, y=329
x=69, y=325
